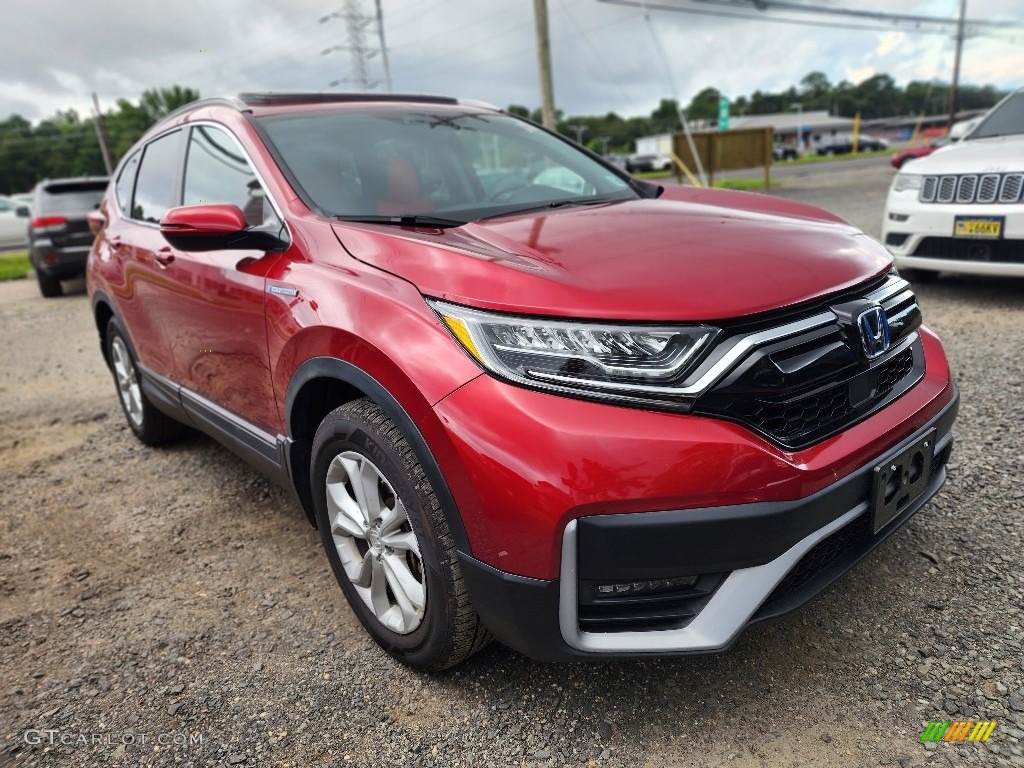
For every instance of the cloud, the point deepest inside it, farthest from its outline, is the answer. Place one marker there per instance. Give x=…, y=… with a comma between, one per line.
x=858, y=75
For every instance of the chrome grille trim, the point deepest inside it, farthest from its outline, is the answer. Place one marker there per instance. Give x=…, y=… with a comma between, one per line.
x=947, y=189
x=965, y=189
x=973, y=188
x=1011, y=188
x=988, y=189
x=929, y=188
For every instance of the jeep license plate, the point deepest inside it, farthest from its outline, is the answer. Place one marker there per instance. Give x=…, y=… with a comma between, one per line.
x=901, y=479
x=979, y=227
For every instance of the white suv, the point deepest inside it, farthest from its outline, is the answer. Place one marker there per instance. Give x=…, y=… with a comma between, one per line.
x=961, y=209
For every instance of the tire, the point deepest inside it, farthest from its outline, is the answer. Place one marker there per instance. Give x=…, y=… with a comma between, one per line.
x=919, y=275
x=388, y=542
x=49, y=286
x=148, y=424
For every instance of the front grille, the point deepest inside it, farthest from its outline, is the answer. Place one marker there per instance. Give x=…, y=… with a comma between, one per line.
x=791, y=422
x=808, y=387
x=965, y=249
x=972, y=188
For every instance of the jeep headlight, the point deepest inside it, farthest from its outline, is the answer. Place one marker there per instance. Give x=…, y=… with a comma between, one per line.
x=631, y=361
x=904, y=181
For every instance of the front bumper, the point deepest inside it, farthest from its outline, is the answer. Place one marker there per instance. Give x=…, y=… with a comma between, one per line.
x=924, y=238
x=762, y=559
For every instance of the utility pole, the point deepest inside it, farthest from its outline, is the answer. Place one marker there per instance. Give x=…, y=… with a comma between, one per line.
x=579, y=130
x=101, y=134
x=953, y=97
x=547, y=88
x=383, y=48
x=356, y=23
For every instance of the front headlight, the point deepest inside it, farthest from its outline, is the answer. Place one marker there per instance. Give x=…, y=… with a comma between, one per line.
x=905, y=181
x=601, y=359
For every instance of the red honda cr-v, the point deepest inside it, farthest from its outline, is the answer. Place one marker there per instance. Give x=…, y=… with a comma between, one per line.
x=520, y=393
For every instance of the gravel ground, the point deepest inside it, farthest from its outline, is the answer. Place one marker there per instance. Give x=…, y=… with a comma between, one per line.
x=171, y=607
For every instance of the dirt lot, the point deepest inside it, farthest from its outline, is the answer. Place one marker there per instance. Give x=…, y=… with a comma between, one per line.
x=171, y=607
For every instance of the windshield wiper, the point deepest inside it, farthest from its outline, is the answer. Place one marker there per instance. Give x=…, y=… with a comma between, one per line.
x=405, y=220
x=572, y=201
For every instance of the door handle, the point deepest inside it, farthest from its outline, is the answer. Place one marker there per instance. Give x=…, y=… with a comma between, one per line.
x=164, y=256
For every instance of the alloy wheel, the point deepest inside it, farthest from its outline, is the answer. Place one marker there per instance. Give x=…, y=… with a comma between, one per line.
x=375, y=541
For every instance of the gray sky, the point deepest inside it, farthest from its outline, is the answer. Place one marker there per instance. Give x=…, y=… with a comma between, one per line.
x=58, y=51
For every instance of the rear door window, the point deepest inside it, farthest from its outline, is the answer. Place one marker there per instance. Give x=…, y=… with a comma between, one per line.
x=157, y=188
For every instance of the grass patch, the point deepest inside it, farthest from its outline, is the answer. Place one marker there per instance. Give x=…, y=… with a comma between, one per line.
x=14, y=266
x=653, y=174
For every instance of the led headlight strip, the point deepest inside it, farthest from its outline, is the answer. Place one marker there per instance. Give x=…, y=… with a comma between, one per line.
x=634, y=360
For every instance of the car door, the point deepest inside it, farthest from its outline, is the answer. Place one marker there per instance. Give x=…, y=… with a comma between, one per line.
x=146, y=187
x=215, y=319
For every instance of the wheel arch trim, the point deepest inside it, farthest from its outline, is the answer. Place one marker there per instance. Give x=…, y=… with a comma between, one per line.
x=347, y=373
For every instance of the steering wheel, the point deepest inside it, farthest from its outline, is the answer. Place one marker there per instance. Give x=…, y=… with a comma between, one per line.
x=506, y=187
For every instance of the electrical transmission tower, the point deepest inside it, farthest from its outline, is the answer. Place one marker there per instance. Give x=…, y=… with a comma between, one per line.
x=357, y=24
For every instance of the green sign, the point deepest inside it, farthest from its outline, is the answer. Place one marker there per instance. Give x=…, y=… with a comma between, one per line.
x=723, y=113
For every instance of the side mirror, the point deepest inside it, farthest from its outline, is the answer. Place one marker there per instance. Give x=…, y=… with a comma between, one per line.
x=23, y=212
x=215, y=227
x=96, y=221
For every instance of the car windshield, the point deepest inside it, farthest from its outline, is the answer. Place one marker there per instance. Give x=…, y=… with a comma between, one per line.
x=422, y=161
x=1006, y=119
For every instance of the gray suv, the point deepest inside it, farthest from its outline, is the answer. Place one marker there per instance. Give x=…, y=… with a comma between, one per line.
x=59, y=237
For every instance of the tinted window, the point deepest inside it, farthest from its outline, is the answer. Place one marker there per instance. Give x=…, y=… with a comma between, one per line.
x=1005, y=119
x=459, y=163
x=126, y=183
x=156, y=188
x=71, y=196
x=216, y=171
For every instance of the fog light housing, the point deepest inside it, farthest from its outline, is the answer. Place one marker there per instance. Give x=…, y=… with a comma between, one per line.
x=642, y=587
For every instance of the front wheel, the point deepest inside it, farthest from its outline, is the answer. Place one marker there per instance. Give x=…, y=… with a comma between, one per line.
x=388, y=541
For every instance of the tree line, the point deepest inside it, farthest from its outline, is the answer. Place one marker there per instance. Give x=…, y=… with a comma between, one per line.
x=877, y=96
x=66, y=144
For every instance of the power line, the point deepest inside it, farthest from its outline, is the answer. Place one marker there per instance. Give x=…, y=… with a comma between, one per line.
x=822, y=10
x=773, y=19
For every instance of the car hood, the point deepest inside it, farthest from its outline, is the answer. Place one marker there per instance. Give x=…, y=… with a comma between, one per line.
x=656, y=260
x=997, y=155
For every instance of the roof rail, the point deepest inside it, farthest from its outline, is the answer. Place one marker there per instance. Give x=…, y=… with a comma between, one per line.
x=230, y=101
x=284, y=97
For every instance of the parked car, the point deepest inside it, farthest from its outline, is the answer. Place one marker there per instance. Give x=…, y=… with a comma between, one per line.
x=899, y=159
x=619, y=161
x=13, y=222
x=962, y=209
x=572, y=420
x=782, y=151
x=638, y=163
x=843, y=145
x=59, y=236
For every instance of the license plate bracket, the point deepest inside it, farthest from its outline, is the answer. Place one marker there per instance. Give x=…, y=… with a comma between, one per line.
x=979, y=227
x=901, y=479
